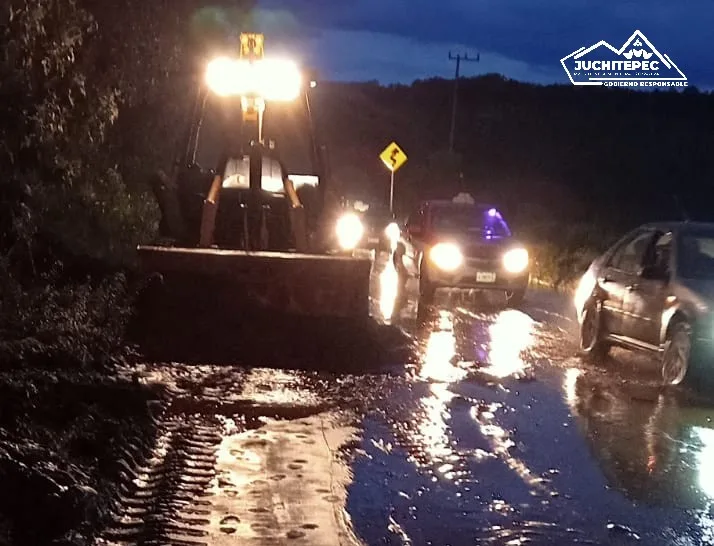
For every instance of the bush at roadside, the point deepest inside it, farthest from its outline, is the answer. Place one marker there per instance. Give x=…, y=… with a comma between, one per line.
x=63, y=325
x=562, y=253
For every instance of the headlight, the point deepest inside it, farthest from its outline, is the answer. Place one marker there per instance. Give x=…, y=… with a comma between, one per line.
x=446, y=256
x=392, y=232
x=349, y=231
x=516, y=260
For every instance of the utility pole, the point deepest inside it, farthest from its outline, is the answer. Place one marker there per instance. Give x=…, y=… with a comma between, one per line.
x=458, y=58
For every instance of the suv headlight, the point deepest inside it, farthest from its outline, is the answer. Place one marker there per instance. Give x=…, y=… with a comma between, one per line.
x=446, y=256
x=516, y=260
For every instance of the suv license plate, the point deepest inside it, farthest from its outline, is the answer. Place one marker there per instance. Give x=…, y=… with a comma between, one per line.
x=482, y=276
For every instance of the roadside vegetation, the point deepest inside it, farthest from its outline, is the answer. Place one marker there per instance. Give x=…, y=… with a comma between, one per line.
x=94, y=94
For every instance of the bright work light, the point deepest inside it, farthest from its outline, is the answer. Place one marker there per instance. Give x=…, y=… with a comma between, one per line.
x=276, y=80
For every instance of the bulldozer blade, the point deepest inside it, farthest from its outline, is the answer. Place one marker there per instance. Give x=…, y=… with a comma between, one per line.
x=283, y=282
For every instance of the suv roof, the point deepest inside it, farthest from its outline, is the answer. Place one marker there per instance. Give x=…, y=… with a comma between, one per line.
x=450, y=203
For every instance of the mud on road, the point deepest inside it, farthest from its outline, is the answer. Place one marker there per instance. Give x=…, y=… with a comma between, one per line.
x=495, y=433
x=241, y=456
x=492, y=432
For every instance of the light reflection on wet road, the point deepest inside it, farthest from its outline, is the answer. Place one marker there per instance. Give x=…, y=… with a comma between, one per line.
x=495, y=434
x=502, y=436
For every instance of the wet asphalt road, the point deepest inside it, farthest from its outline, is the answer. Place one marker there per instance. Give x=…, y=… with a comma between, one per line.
x=498, y=434
x=506, y=437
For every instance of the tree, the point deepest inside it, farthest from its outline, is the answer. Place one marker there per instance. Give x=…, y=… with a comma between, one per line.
x=93, y=93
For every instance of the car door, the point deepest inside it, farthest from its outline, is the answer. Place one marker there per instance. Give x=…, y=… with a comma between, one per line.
x=618, y=273
x=645, y=296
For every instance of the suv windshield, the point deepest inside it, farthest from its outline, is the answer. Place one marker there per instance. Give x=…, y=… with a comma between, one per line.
x=695, y=256
x=485, y=221
x=377, y=215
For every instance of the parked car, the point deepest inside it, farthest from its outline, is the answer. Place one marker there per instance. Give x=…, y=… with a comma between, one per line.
x=652, y=291
x=461, y=244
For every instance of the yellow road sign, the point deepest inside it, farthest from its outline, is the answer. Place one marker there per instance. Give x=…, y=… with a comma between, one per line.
x=251, y=45
x=393, y=157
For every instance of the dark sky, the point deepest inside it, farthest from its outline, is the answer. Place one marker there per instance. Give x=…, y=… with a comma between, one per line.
x=403, y=40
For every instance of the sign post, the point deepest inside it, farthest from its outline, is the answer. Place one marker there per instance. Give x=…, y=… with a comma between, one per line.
x=393, y=157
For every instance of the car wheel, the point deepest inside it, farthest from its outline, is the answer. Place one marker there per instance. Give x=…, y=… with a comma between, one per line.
x=677, y=351
x=515, y=297
x=592, y=343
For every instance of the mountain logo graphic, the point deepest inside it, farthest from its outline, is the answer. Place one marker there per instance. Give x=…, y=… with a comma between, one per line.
x=637, y=63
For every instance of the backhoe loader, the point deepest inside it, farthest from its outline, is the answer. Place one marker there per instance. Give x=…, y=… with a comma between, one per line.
x=248, y=232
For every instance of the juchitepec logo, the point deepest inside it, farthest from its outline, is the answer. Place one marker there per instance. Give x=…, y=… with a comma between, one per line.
x=637, y=63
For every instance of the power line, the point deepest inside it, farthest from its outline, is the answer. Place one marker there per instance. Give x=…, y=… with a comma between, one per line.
x=458, y=58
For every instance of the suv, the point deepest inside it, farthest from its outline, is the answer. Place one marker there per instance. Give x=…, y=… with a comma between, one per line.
x=455, y=244
x=375, y=221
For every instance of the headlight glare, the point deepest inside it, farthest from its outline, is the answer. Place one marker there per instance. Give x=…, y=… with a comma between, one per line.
x=349, y=231
x=269, y=79
x=585, y=288
x=516, y=260
x=446, y=256
x=392, y=232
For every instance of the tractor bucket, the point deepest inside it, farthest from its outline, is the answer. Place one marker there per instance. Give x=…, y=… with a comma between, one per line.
x=261, y=309
x=283, y=282
x=203, y=305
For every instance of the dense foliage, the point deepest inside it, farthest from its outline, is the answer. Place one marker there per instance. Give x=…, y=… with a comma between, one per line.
x=95, y=94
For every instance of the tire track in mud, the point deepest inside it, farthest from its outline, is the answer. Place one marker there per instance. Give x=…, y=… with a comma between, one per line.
x=231, y=460
x=159, y=505
x=163, y=499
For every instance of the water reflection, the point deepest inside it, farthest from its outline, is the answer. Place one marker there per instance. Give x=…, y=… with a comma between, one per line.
x=438, y=363
x=705, y=460
x=432, y=429
x=502, y=444
x=569, y=385
x=388, y=290
x=511, y=335
x=655, y=447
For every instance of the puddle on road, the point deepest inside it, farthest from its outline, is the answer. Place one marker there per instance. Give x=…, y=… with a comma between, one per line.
x=465, y=448
x=442, y=461
x=470, y=449
x=655, y=447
